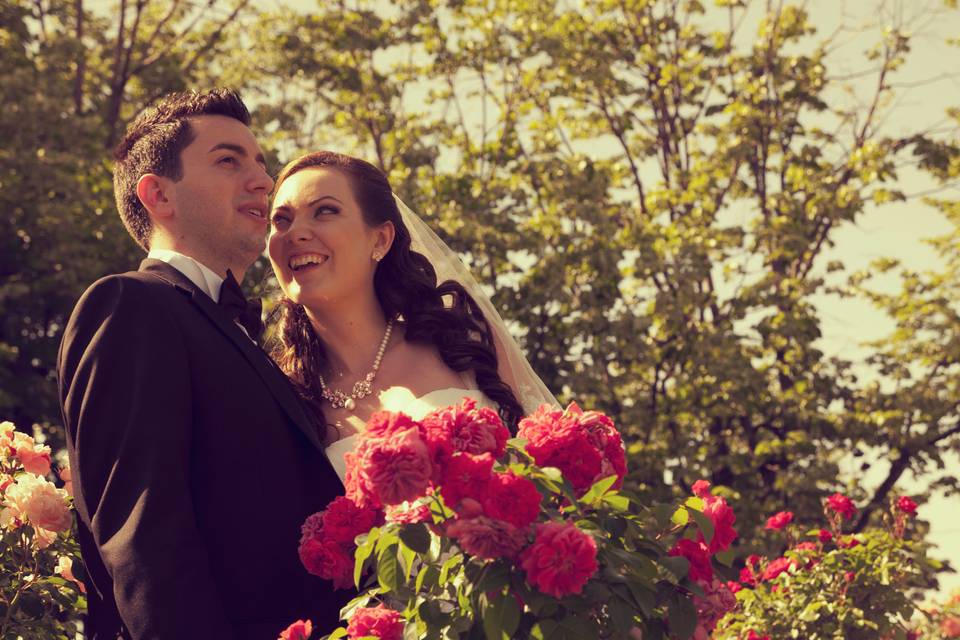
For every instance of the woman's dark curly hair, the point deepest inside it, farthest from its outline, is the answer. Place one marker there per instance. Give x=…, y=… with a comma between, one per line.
x=405, y=284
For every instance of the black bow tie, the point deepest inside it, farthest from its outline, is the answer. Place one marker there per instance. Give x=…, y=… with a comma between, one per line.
x=246, y=312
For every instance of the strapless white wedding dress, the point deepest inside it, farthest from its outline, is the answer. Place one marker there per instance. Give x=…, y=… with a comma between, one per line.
x=402, y=399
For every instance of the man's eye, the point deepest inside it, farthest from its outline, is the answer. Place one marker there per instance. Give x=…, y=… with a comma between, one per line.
x=227, y=160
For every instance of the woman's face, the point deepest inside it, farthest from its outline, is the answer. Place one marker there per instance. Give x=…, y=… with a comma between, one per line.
x=320, y=246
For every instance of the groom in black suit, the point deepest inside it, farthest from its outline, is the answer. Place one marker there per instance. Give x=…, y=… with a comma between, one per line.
x=194, y=462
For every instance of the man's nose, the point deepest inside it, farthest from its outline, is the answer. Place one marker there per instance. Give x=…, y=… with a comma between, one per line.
x=260, y=180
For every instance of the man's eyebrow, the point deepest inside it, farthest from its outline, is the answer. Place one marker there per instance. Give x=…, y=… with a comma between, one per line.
x=236, y=148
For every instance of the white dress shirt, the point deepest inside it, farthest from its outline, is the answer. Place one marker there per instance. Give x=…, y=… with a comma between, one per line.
x=199, y=274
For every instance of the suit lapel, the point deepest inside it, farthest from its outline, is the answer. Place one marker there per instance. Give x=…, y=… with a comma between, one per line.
x=271, y=375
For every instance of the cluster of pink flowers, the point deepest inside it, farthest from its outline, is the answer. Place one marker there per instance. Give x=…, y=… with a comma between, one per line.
x=718, y=597
x=401, y=465
x=327, y=539
x=26, y=495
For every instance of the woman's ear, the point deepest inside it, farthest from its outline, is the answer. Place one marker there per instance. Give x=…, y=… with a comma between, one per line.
x=385, y=234
x=152, y=191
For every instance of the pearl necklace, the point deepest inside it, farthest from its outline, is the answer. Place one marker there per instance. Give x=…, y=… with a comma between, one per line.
x=362, y=388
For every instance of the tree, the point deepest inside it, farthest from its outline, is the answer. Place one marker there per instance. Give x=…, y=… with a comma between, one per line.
x=652, y=201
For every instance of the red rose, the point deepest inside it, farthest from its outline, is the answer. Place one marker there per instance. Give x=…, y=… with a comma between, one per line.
x=734, y=586
x=343, y=520
x=824, y=536
x=561, y=559
x=848, y=543
x=397, y=468
x=849, y=576
x=776, y=567
x=405, y=513
x=806, y=546
x=698, y=555
x=585, y=446
x=378, y=622
x=328, y=560
x=701, y=488
x=907, y=506
x=357, y=490
x=841, y=504
x=299, y=630
x=475, y=430
x=513, y=499
x=722, y=517
x=752, y=635
x=384, y=424
x=466, y=476
x=779, y=521
x=748, y=577
x=487, y=538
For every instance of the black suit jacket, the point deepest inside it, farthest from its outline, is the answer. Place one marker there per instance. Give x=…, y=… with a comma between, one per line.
x=194, y=465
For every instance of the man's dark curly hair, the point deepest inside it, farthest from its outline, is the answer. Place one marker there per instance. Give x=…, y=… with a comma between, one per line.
x=153, y=144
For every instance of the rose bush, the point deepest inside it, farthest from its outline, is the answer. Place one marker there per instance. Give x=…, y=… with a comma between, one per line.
x=829, y=583
x=460, y=530
x=41, y=593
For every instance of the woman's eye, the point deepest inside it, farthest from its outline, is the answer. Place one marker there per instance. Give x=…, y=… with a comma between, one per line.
x=325, y=209
x=280, y=222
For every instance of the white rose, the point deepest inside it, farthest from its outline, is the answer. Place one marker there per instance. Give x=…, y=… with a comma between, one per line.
x=40, y=502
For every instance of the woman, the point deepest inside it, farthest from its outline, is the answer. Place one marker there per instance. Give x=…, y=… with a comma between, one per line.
x=364, y=324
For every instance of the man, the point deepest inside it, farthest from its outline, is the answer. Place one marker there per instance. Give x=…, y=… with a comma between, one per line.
x=194, y=462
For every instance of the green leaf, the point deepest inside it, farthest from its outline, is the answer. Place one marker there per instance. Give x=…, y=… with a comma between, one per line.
x=364, y=549
x=677, y=565
x=725, y=558
x=501, y=616
x=680, y=517
x=704, y=523
x=682, y=616
x=452, y=562
x=416, y=537
x=617, y=502
x=599, y=488
x=388, y=569
x=407, y=558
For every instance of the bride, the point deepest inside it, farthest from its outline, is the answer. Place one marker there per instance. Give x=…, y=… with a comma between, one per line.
x=377, y=312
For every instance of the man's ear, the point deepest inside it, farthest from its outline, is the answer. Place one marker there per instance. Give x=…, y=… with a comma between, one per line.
x=152, y=191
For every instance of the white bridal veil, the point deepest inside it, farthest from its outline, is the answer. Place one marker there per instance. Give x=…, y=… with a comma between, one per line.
x=513, y=367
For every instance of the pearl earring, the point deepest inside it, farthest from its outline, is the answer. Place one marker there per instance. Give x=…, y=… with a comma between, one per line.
x=377, y=256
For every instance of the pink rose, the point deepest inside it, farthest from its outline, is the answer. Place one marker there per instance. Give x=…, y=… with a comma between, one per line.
x=698, y=555
x=379, y=622
x=354, y=482
x=779, y=521
x=65, y=569
x=40, y=502
x=470, y=430
x=299, y=630
x=585, y=446
x=35, y=458
x=67, y=476
x=776, y=567
x=328, y=560
x=722, y=517
x=466, y=476
x=561, y=559
x=487, y=538
x=950, y=627
x=397, y=468
x=343, y=520
x=385, y=424
x=701, y=488
x=841, y=504
x=512, y=498
x=718, y=600
x=907, y=506
x=824, y=536
x=409, y=513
